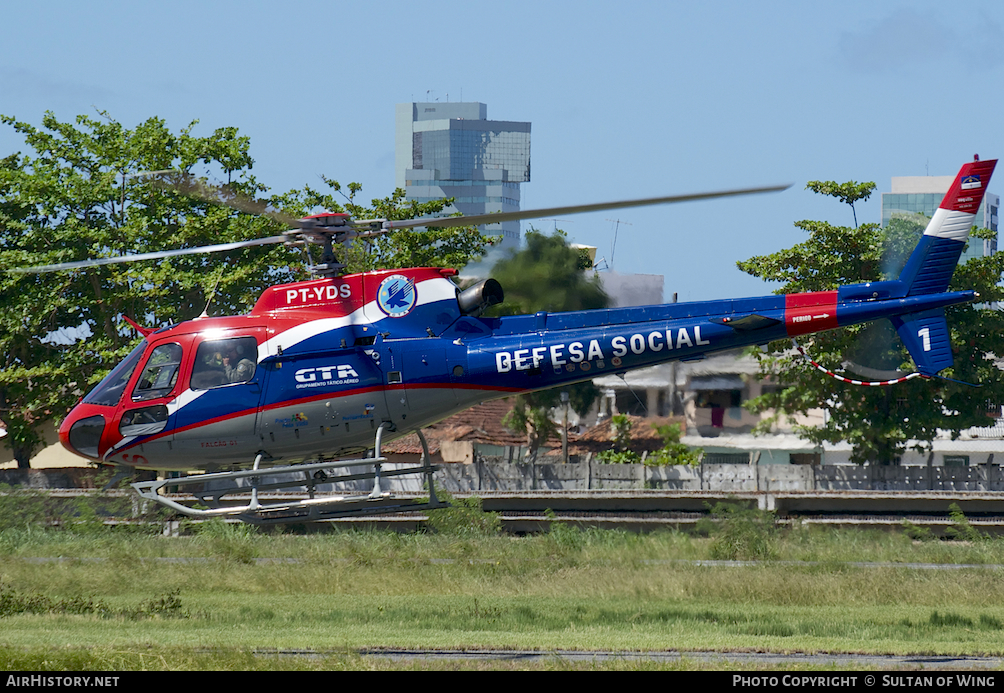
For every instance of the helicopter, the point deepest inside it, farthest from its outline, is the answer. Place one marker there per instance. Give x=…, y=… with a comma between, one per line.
x=321, y=371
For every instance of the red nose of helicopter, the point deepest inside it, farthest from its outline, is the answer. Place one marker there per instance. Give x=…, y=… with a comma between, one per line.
x=88, y=429
x=83, y=428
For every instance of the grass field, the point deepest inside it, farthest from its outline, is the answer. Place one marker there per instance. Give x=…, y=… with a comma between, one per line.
x=93, y=598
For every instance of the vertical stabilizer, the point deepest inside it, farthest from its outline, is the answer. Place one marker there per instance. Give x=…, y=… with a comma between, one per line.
x=930, y=267
x=932, y=263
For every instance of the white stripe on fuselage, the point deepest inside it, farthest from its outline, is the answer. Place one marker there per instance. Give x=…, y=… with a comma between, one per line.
x=182, y=400
x=431, y=291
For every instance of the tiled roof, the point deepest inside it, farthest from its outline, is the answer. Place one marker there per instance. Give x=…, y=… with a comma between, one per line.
x=480, y=424
x=483, y=424
x=643, y=435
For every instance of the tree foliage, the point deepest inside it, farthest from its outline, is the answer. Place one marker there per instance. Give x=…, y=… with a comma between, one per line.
x=620, y=451
x=878, y=422
x=82, y=192
x=848, y=193
x=547, y=275
x=672, y=452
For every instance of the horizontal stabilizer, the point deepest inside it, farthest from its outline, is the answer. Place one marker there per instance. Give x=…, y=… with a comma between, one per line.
x=927, y=339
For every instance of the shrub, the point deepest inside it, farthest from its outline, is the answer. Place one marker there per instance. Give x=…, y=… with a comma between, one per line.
x=740, y=533
x=916, y=532
x=463, y=517
x=15, y=603
x=620, y=436
x=673, y=451
x=960, y=529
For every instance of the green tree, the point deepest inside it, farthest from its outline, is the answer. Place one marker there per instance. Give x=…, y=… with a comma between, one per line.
x=547, y=275
x=83, y=192
x=878, y=422
x=848, y=193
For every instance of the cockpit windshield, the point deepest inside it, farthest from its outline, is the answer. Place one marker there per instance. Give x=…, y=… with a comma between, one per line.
x=109, y=391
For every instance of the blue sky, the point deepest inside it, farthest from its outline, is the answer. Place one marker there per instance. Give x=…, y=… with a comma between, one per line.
x=630, y=99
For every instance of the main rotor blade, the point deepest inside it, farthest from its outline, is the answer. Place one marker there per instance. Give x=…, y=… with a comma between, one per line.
x=187, y=184
x=495, y=217
x=149, y=256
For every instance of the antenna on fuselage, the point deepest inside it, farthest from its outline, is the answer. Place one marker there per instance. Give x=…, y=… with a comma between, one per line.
x=212, y=295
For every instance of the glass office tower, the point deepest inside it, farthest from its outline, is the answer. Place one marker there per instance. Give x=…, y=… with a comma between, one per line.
x=453, y=150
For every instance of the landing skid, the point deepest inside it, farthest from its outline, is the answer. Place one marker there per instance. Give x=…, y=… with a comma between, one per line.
x=310, y=475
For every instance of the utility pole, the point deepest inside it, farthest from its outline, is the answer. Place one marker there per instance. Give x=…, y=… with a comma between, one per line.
x=564, y=428
x=613, y=246
x=672, y=379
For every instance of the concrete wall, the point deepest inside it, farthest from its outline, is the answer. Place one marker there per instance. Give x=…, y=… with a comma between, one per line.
x=495, y=475
x=486, y=475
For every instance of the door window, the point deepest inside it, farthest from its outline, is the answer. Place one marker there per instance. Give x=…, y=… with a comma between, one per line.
x=222, y=362
x=160, y=373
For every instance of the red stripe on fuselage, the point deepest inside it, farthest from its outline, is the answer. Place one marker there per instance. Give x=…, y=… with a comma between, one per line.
x=313, y=398
x=810, y=312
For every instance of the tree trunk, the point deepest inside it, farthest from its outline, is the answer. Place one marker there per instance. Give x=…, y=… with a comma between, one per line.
x=23, y=458
x=532, y=441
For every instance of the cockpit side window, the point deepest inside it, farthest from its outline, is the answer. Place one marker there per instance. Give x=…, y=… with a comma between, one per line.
x=222, y=362
x=160, y=373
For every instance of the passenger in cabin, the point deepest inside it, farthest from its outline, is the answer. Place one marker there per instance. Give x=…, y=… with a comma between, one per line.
x=237, y=368
x=224, y=362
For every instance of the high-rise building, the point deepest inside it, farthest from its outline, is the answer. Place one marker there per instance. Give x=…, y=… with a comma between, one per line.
x=912, y=195
x=453, y=150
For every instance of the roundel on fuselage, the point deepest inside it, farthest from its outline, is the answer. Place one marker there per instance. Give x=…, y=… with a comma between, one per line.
x=397, y=295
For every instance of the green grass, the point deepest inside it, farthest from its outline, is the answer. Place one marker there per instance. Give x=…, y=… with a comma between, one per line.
x=218, y=659
x=124, y=600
